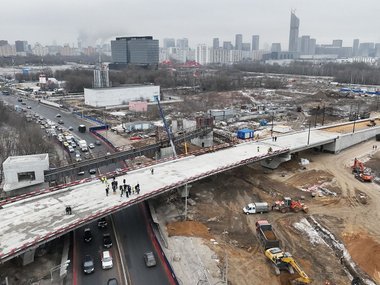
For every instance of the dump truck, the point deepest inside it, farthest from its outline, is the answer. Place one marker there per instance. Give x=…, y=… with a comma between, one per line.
x=266, y=234
x=256, y=207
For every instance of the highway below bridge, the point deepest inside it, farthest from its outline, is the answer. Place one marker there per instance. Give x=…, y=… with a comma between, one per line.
x=27, y=223
x=150, y=151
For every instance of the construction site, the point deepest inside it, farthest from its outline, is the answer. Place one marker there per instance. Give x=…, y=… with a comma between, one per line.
x=323, y=208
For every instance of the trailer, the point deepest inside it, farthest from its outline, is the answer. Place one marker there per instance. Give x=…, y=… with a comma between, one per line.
x=266, y=234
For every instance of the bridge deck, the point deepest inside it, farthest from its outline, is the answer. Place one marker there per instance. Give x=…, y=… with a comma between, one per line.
x=32, y=221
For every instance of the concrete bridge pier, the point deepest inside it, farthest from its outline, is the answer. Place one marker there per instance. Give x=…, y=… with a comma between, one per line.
x=28, y=256
x=274, y=162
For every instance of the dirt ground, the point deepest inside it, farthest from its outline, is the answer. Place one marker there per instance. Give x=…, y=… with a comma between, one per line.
x=217, y=215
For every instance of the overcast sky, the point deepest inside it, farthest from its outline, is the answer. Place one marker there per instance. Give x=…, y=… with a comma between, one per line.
x=199, y=20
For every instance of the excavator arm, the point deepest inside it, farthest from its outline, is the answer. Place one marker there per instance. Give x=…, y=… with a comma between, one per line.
x=303, y=276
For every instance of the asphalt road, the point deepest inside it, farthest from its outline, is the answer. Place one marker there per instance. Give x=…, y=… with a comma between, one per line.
x=132, y=232
x=95, y=249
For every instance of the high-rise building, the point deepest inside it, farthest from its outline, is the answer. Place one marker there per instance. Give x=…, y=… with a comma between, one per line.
x=101, y=75
x=255, y=42
x=365, y=49
x=355, y=47
x=201, y=54
x=238, y=41
x=276, y=47
x=294, y=30
x=3, y=42
x=182, y=43
x=215, y=43
x=337, y=43
x=305, y=45
x=227, y=45
x=312, y=45
x=377, y=50
x=135, y=50
x=168, y=43
x=21, y=46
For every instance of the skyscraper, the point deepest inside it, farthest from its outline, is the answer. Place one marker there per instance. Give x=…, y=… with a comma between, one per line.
x=337, y=43
x=255, y=42
x=227, y=45
x=215, y=43
x=294, y=30
x=305, y=45
x=238, y=41
x=183, y=43
x=276, y=47
x=201, y=54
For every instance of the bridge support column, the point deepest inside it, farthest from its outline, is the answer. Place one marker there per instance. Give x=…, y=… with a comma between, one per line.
x=274, y=162
x=28, y=257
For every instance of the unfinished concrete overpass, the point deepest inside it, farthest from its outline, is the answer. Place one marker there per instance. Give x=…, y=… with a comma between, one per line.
x=29, y=221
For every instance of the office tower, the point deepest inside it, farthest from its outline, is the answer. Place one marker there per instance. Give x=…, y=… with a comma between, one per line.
x=337, y=43
x=365, y=49
x=246, y=46
x=21, y=46
x=294, y=30
x=227, y=45
x=255, y=42
x=377, y=50
x=183, y=43
x=135, y=50
x=168, y=43
x=215, y=43
x=238, y=41
x=305, y=45
x=3, y=42
x=355, y=47
x=276, y=47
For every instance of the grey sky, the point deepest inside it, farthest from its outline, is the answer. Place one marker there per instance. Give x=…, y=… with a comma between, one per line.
x=199, y=20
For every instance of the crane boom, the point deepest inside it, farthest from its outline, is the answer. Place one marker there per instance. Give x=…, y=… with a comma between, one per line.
x=166, y=126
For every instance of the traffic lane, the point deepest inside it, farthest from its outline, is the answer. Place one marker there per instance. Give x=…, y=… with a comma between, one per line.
x=134, y=238
x=95, y=249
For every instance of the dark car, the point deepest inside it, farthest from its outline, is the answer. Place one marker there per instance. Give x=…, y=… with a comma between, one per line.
x=102, y=223
x=112, y=281
x=88, y=264
x=92, y=171
x=107, y=242
x=19, y=99
x=87, y=235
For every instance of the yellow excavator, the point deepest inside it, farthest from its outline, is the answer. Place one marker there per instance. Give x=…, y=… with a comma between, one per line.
x=284, y=261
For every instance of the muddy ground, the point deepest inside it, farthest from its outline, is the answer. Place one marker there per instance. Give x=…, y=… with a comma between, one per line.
x=349, y=210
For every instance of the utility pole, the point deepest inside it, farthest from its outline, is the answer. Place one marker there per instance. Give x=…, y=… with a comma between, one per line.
x=308, y=135
x=353, y=128
x=271, y=131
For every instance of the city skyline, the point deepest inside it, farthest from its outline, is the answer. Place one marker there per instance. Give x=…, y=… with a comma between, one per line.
x=65, y=22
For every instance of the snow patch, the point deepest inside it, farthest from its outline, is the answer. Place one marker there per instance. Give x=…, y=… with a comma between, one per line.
x=304, y=226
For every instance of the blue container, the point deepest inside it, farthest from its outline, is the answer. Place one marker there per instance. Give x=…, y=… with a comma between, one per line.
x=245, y=134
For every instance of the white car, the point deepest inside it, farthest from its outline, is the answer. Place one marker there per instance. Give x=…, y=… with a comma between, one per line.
x=107, y=260
x=71, y=149
x=91, y=145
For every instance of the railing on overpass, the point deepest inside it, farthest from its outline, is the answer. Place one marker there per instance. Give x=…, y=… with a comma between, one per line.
x=38, y=240
x=150, y=150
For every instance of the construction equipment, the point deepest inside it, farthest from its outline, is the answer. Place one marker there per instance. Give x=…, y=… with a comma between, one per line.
x=284, y=261
x=166, y=126
x=360, y=172
x=288, y=204
x=371, y=123
x=266, y=234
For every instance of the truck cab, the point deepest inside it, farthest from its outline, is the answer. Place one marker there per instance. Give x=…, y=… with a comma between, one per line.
x=253, y=208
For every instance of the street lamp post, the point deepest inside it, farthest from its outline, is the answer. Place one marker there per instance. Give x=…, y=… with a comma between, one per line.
x=59, y=266
x=308, y=135
x=353, y=127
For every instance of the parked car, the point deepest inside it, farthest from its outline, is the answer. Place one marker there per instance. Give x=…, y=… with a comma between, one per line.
x=112, y=281
x=88, y=264
x=80, y=173
x=91, y=145
x=102, y=223
x=70, y=148
x=107, y=242
x=92, y=171
x=107, y=260
x=29, y=107
x=87, y=235
x=60, y=122
x=58, y=115
x=149, y=259
x=71, y=128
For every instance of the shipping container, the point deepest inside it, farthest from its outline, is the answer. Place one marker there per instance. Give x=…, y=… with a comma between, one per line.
x=245, y=134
